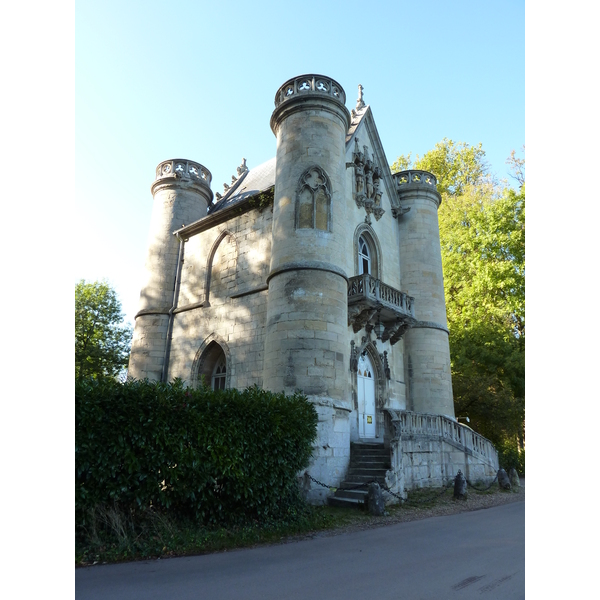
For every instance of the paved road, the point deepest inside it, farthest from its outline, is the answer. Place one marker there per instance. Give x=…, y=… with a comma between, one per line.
x=478, y=554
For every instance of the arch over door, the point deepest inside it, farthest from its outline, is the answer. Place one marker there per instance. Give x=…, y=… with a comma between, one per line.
x=366, y=398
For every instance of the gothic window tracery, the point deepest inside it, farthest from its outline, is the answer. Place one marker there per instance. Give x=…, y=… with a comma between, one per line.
x=219, y=374
x=313, y=200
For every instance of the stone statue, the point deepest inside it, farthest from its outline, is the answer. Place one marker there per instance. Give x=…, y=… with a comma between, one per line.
x=360, y=102
x=369, y=181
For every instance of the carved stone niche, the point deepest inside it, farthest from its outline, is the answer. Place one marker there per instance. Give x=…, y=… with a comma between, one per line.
x=368, y=178
x=375, y=305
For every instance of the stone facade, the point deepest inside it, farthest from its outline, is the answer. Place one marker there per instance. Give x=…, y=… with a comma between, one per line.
x=318, y=270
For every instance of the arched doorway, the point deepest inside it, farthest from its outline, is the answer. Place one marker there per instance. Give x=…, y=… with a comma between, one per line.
x=366, y=398
x=211, y=365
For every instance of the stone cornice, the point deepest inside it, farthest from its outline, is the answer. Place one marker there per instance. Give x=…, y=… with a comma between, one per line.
x=308, y=265
x=430, y=325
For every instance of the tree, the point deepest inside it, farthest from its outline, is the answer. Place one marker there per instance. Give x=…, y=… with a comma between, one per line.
x=102, y=340
x=455, y=165
x=482, y=234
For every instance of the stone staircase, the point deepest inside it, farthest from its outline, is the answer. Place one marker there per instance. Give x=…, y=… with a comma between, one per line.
x=368, y=462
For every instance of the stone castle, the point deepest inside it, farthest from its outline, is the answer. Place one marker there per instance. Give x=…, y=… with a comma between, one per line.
x=318, y=271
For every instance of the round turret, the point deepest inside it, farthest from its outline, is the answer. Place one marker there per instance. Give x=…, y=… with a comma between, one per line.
x=307, y=306
x=182, y=195
x=427, y=351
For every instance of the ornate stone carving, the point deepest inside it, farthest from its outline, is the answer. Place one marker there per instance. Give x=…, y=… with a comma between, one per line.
x=369, y=297
x=368, y=177
x=386, y=365
x=183, y=169
x=398, y=211
x=242, y=168
x=353, y=357
x=309, y=84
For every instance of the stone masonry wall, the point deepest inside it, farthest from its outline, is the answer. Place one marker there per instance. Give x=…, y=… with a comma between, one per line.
x=238, y=253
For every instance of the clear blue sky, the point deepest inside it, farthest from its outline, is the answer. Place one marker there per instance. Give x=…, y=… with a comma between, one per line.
x=197, y=80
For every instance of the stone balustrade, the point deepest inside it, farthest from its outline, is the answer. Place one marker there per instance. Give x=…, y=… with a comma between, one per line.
x=310, y=84
x=415, y=176
x=186, y=169
x=366, y=288
x=407, y=423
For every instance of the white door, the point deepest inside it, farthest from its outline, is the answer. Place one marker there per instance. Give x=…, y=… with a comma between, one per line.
x=366, y=398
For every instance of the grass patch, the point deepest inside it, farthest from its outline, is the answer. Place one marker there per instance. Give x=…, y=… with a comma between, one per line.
x=114, y=535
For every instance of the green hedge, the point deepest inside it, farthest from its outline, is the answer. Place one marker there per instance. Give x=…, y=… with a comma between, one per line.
x=215, y=456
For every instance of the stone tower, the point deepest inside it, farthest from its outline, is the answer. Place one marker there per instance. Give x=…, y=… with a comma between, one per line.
x=426, y=347
x=181, y=194
x=307, y=310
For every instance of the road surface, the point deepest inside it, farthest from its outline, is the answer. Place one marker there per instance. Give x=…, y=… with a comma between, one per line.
x=479, y=554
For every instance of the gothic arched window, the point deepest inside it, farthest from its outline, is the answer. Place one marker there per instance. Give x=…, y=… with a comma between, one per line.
x=364, y=256
x=313, y=200
x=211, y=366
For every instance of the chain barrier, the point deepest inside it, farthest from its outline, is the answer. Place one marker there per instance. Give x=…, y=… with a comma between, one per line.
x=385, y=488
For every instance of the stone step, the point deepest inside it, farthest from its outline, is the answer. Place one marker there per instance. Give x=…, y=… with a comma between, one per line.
x=368, y=448
x=348, y=485
x=345, y=502
x=360, y=494
x=370, y=454
x=366, y=471
x=358, y=479
x=376, y=464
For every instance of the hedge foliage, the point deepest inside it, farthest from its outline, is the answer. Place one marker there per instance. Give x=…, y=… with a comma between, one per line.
x=215, y=456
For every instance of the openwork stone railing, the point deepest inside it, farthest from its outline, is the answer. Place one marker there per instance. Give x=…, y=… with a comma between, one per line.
x=366, y=287
x=186, y=169
x=407, y=423
x=310, y=84
x=415, y=177
x=374, y=305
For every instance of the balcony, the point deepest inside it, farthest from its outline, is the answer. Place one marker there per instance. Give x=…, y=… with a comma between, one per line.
x=373, y=304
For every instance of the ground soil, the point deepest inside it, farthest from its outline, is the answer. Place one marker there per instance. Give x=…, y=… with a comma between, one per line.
x=444, y=505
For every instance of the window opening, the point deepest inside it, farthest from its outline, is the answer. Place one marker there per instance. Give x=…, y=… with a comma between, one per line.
x=364, y=257
x=219, y=374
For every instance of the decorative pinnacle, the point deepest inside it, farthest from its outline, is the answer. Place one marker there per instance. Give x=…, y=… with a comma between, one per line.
x=360, y=103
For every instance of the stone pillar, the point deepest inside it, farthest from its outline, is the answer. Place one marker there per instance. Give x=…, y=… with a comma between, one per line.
x=181, y=196
x=307, y=312
x=426, y=347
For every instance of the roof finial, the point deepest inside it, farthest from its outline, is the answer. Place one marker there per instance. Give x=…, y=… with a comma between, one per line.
x=242, y=168
x=360, y=102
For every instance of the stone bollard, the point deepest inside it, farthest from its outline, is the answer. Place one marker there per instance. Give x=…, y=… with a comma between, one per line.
x=503, y=480
x=460, y=486
x=514, y=478
x=375, y=501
